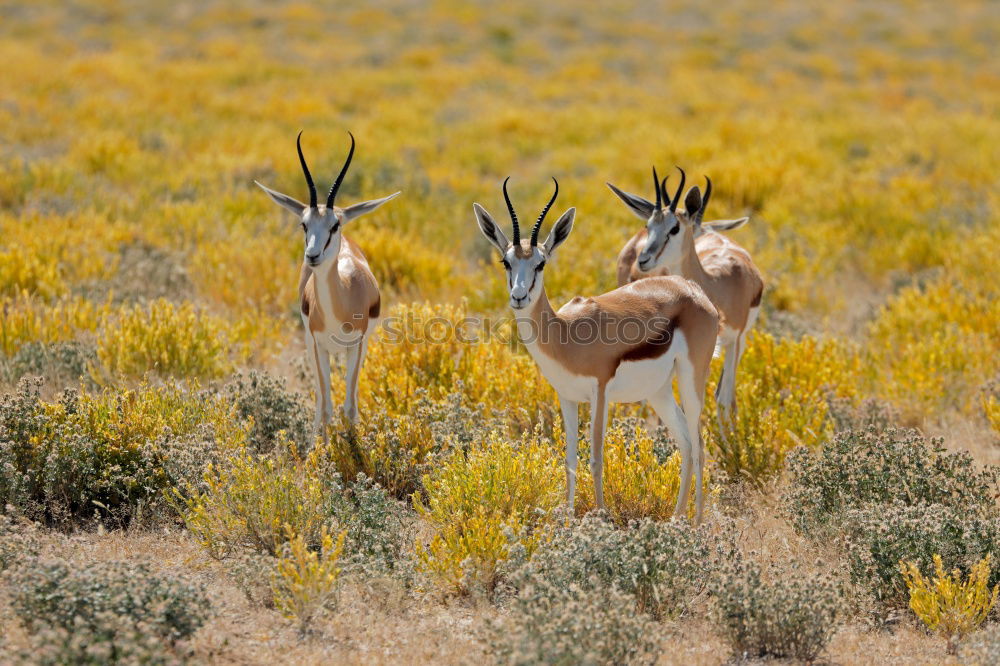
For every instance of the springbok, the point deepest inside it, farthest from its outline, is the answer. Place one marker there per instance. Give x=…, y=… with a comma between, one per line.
x=338, y=294
x=723, y=269
x=622, y=346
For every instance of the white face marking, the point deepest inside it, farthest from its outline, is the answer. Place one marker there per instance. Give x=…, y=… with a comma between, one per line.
x=322, y=230
x=663, y=241
x=524, y=276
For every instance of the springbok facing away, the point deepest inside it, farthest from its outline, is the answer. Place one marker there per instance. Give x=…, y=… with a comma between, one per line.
x=340, y=300
x=719, y=266
x=622, y=346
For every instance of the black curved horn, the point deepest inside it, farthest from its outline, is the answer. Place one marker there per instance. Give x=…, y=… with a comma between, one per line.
x=545, y=211
x=704, y=200
x=513, y=215
x=663, y=188
x=677, y=196
x=340, y=179
x=656, y=186
x=305, y=170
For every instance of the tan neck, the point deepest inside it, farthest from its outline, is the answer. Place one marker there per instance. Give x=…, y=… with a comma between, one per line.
x=539, y=316
x=691, y=267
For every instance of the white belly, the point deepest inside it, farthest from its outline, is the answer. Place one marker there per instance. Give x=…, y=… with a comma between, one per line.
x=637, y=380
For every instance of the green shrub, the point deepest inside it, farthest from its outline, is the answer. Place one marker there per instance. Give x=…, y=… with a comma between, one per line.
x=273, y=409
x=18, y=541
x=783, y=615
x=61, y=362
x=259, y=503
x=105, y=612
x=879, y=537
x=861, y=468
x=397, y=449
x=378, y=531
x=662, y=564
x=111, y=454
x=550, y=624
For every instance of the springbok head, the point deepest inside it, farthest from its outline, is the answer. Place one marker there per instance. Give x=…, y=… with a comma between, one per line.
x=524, y=260
x=322, y=224
x=663, y=224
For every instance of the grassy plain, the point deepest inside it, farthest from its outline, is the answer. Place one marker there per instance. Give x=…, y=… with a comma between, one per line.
x=136, y=256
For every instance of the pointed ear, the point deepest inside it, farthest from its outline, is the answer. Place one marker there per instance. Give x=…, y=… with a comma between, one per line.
x=692, y=203
x=283, y=200
x=726, y=225
x=635, y=203
x=560, y=232
x=490, y=229
x=359, y=209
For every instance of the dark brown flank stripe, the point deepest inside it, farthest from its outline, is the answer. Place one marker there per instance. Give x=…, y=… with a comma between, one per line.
x=653, y=347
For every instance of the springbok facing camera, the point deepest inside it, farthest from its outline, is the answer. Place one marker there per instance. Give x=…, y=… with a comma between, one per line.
x=622, y=346
x=723, y=269
x=339, y=296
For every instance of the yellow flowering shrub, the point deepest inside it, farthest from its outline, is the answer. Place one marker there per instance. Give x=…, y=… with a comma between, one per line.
x=782, y=388
x=304, y=579
x=25, y=318
x=252, y=501
x=478, y=500
x=947, y=604
x=932, y=347
x=164, y=338
x=636, y=483
x=436, y=349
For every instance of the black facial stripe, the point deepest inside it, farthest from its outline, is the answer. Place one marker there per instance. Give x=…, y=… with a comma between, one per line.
x=330, y=237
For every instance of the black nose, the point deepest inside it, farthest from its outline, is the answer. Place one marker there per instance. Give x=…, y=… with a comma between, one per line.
x=313, y=258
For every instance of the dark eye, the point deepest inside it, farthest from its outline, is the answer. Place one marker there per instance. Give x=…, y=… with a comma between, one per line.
x=506, y=264
x=540, y=266
x=333, y=229
x=677, y=227
x=303, y=226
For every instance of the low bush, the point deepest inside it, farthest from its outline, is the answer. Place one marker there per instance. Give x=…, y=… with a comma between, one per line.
x=947, y=604
x=879, y=537
x=641, y=474
x=378, y=533
x=58, y=362
x=164, y=338
x=782, y=401
x=857, y=469
x=273, y=409
x=255, y=502
x=304, y=579
x=19, y=541
x=477, y=501
x=663, y=565
x=548, y=624
x=397, y=449
x=105, y=612
x=775, y=615
x=110, y=454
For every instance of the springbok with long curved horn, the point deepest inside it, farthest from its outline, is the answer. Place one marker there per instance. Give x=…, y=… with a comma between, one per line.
x=622, y=346
x=679, y=243
x=338, y=294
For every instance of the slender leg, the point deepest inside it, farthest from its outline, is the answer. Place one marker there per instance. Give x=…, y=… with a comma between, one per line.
x=571, y=424
x=692, y=397
x=320, y=361
x=666, y=407
x=355, y=358
x=725, y=395
x=599, y=415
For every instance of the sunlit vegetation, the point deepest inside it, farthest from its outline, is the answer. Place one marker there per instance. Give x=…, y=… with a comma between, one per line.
x=150, y=283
